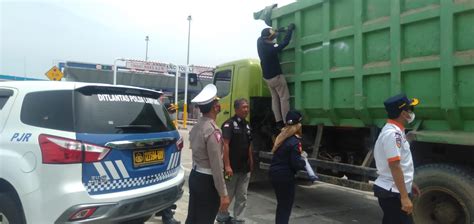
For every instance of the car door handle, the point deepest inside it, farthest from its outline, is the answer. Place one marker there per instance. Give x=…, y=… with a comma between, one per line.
x=226, y=112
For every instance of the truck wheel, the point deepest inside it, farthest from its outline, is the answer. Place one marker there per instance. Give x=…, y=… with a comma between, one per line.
x=447, y=195
x=10, y=211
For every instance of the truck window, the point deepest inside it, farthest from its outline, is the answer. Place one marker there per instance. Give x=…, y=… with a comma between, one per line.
x=222, y=82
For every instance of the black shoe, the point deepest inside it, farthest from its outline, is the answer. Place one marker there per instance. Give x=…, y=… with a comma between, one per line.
x=228, y=221
x=171, y=221
x=279, y=125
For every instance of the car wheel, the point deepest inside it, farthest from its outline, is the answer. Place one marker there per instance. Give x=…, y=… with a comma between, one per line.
x=10, y=210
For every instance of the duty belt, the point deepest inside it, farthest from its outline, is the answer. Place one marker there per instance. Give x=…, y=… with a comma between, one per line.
x=202, y=170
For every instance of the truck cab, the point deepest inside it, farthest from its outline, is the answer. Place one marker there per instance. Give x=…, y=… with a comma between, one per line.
x=238, y=79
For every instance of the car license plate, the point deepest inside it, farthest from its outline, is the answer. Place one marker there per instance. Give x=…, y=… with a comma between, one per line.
x=148, y=157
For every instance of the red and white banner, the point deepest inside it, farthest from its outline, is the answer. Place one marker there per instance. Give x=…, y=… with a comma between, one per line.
x=147, y=66
x=158, y=67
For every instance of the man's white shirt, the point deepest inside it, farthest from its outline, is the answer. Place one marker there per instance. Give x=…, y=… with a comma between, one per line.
x=392, y=145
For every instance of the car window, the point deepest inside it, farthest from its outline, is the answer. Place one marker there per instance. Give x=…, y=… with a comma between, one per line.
x=5, y=94
x=108, y=110
x=48, y=109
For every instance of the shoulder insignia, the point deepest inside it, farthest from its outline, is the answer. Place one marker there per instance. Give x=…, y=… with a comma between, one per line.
x=275, y=45
x=226, y=125
x=398, y=139
x=236, y=126
x=300, y=147
x=218, y=136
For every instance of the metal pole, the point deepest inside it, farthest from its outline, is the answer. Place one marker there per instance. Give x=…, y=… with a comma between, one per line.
x=185, y=112
x=189, y=38
x=115, y=69
x=176, y=96
x=146, y=52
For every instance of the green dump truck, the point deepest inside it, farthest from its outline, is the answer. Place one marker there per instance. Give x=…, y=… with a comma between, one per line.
x=345, y=59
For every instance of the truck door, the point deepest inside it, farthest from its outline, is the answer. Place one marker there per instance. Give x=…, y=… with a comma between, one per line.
x=223, y=82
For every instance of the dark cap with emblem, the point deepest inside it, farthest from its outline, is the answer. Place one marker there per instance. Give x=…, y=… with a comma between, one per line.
x=268, y=33
x=396, y=104
x=265, y=32
x=293, y=117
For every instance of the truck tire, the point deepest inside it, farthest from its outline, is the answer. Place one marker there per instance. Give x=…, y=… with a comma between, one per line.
x=447, y=195
x=10, y=210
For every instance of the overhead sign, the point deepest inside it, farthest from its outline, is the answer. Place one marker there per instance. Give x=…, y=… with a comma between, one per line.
x=155, y=66
x=54, y=74
x=167, y=68
x=147, y=66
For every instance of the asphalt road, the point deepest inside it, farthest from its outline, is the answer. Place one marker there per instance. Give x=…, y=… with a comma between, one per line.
x=317, y=203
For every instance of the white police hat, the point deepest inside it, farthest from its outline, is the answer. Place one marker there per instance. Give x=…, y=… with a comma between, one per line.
x=207, y=95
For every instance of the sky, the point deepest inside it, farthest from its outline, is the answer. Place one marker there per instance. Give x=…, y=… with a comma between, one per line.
x=37, y=34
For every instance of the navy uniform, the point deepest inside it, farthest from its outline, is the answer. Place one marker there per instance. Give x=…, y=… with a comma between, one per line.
x=286, y=161
x=206, y=181
x=392, y=146
x=238, y=132
x=272, y=73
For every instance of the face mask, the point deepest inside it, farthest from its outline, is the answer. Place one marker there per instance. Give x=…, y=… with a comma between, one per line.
x=412, y=117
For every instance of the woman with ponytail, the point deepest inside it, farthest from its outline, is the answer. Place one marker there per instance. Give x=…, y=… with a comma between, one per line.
x=288, y=158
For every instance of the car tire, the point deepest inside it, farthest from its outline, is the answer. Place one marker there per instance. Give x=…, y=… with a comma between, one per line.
x=10, y=210
x=447, y=194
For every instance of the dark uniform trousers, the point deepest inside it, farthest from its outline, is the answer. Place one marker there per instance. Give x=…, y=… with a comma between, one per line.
x=286, y=161
x=204, y=201
x=391, y=207
x=283, y=183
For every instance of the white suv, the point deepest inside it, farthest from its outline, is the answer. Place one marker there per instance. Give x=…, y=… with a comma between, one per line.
x=80, y=152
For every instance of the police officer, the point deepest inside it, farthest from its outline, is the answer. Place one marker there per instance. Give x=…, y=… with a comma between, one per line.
x=207, y=189
x=394, y=185
x=287, y=159
x=238, y=161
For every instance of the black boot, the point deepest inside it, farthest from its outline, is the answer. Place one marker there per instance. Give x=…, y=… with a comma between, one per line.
x=171, y=221
x=167, y=216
